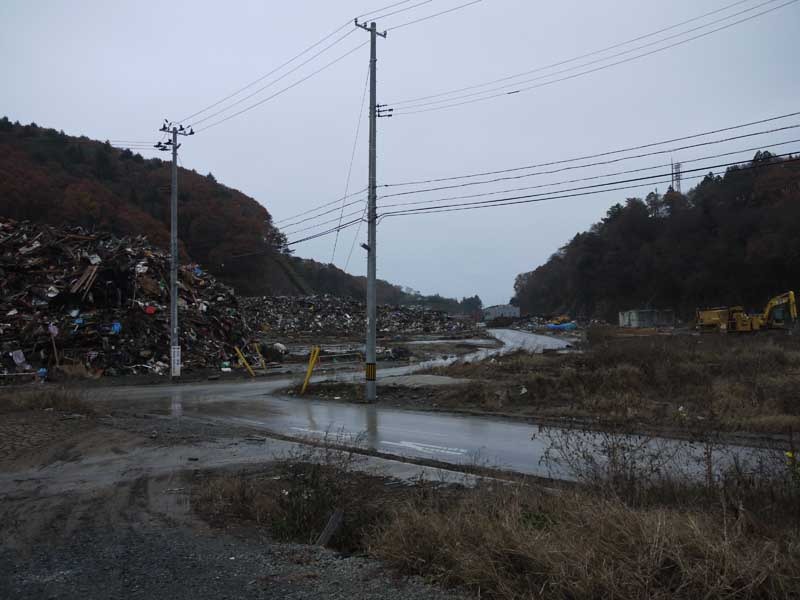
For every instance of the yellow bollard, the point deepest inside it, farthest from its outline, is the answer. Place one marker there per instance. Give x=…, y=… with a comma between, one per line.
x=244, y=361
x=312, y=362
x=260, y=356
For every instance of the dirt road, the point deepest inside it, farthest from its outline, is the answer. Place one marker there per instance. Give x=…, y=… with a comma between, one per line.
x=102, y=510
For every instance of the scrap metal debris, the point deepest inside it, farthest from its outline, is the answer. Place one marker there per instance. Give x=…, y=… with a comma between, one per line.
x=92, y=304
x=328, y=315
x=87, y=304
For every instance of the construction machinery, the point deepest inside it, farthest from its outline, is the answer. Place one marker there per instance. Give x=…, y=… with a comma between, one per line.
x=779, y=313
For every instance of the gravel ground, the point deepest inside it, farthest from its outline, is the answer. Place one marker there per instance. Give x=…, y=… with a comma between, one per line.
x=138, y=538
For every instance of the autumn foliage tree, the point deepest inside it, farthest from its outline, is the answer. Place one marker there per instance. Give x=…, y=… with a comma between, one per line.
x=733, y=239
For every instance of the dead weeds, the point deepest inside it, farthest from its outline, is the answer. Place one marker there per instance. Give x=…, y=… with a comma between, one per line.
x=44, y=398
x=733, y=382
x=516, y=543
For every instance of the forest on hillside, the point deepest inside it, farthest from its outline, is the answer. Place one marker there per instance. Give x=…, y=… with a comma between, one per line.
x=733, y=239
x=47, y=176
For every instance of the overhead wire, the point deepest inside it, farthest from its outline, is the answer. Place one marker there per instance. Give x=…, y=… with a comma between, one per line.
x=569, y=60
x=444, y=12
x=355, y=236
x=420, y=109
x=352, y=159
x=402, y=10
x=324, y=233
x=312, y=216
x=321, y=206
x=599, y=163
x=530, y=201
x=526, y=200
x=580, y=188
x=339, y=40
x=597, y=155
x=263, y=77
x=505, y=86
x=550, y=172
x=378, y=10
x=286, y=89
x=290, y=61
x=322, y=214
x=514, y=199
x=316, y=225
x=592, y=178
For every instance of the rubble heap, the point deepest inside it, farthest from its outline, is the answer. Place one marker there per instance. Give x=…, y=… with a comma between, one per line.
x=327, y=315
x=96, y=304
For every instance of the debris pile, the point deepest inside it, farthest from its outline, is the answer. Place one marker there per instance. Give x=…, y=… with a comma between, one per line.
x=333, y=316
x=91, y=304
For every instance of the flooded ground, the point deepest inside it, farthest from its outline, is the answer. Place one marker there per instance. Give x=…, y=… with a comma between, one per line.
x=456, y=439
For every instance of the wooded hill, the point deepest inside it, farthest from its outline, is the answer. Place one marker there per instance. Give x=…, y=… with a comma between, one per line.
x=47, y=176
x=733, y=239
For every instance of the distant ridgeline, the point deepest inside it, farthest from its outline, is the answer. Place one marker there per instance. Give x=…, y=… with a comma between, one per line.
x=47, y=176
x=733, y=239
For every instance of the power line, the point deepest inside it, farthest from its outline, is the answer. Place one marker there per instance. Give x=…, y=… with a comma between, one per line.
x=322, y=214
x=569, y=60
x=286, y=89
x=530, y=201
x=705, y=168
x=324, y=233
x=597, y=155
x=378, y=10
x=444, y=12
x=339, y=40
x=355, y=236
x=607, y=162
x=551, y=163
x=529, y=197
x=317, y=225
x=290, y=61
x=263, y=77
x=596, y=69
x=352, y=160
x=311, y=210
x=402, y=10
x=505, y=86
x=550, y=172
x=513, y=201
x=592, y=178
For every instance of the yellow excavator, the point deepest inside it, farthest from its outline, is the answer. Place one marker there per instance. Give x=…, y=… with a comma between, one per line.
x=780, y=313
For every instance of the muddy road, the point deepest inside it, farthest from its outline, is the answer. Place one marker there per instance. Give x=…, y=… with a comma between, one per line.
x=100, y=508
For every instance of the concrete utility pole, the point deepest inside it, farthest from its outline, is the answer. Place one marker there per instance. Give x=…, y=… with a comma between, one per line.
x=174, y=331
x=372, y=210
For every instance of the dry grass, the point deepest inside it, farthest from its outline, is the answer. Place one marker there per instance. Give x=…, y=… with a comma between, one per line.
x=513, y=543
x=628, y=537
x=44, y=398
x=295, y=499
x=735, y=382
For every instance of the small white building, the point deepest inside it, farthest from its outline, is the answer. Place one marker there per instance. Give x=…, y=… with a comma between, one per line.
x=646, y=318
x=500, y=311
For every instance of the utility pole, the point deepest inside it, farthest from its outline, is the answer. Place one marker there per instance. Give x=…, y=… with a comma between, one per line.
x=372, y=210
x=174, y=332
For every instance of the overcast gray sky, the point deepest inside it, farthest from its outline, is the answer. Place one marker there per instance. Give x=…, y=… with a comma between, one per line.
x=113, y=70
